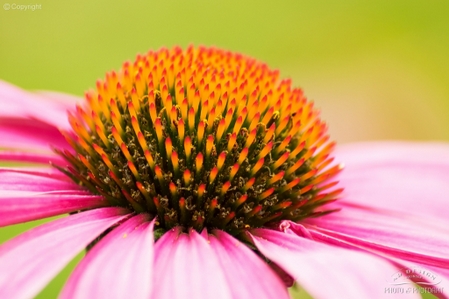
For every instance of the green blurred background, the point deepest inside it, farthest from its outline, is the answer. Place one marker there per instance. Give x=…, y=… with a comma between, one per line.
x=377, y=69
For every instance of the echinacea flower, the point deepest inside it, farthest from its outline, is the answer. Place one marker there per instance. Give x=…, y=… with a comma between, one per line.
x=201, y=174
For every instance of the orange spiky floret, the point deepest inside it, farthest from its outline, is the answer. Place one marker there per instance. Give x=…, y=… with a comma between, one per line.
x=203, y=138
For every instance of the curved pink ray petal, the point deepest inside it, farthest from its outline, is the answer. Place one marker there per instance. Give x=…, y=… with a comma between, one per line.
x=434, y=280
x=29, y=261
x=127, y=250
x=408, y=177
x=247, y=274
x=325, y=270
x=202, y=269
x=31, y=157
x=189, y=268
x=38, y=181
x=18, y=207
x=406, y=238
x=30, y=134
x=16, y=102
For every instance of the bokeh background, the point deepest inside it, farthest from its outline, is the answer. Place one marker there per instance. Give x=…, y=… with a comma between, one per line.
x=377, y=69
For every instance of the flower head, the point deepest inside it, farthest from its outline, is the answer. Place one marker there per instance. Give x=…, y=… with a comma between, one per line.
x=200, y=173
x=202, y=138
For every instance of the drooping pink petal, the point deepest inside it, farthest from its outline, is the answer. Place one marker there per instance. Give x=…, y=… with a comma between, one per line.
x=32, y=157
x=247, y=274
x=190, y=266
x=16, y=102
x=18, y=207
x=30, y=134
x=119, y=266
x=434, y=280
x=407, y=177
x=36, y=256
x=325, y=270
x=392, y=233
x=38, y=181
x=195, y=266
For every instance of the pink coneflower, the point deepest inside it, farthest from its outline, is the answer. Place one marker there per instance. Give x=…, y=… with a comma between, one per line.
x=201, y=174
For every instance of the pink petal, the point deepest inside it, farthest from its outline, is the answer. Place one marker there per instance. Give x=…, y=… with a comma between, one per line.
x=13, y=179
x=435, y=280
x=191, y=266
x=403, y=176
x=127, y=251
x=324, y=270
x=29, y=261
x=185, y=266
x=18, y=207
x=406, y=238
x=247, y=274
x=16, y=102
x=20, y=156
x=30, y=134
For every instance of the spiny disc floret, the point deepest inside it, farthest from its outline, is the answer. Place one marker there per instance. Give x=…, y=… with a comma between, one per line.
x=202, y=138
